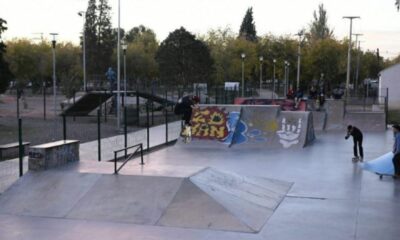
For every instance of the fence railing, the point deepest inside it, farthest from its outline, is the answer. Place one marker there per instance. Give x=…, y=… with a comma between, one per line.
x=139, y=147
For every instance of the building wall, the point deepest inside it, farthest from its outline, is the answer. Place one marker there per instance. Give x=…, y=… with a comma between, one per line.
x=390, y=78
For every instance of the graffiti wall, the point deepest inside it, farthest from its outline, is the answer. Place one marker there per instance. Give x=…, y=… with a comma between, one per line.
x=253, y=126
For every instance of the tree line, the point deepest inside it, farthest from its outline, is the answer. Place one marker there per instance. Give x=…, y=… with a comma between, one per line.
x=184, y=58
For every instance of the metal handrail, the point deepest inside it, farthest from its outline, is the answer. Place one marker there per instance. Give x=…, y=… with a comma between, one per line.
x=139, y=147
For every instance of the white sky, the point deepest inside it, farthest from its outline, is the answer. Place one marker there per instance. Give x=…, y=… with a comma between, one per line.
x=380, y=21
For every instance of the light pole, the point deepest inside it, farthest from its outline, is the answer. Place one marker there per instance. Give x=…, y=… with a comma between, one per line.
x=287, y=77
x=358, y=62
x=261, y=64
x=349, y=54
x=124, y=47
x=119, y=68
x=300, y=34
x=243, y=56
x=53, y=42
x=273, y=79
x=83, y=15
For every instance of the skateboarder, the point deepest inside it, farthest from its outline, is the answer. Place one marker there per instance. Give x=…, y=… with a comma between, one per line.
x=396, y=150
x=185, y=107
x=357, y=138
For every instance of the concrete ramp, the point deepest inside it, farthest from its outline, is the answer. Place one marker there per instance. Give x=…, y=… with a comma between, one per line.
x=209, y=199
x=250, y=126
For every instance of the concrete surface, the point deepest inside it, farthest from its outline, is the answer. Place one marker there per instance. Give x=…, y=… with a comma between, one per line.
x=331, y=198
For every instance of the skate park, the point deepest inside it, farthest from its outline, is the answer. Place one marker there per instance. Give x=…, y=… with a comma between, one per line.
x=92, y=145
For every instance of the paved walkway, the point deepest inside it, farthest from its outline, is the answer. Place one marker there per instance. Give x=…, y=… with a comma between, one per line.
x=331, y=198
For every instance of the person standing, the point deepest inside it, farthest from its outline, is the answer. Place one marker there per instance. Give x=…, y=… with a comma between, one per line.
x=185, y=107
x=396, y=150
x=357, y=139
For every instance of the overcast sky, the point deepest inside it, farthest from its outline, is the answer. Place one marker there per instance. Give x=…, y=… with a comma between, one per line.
x=380, y=21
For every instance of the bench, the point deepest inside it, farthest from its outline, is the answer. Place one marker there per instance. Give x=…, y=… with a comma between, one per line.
x=11, y=150
x=53, y=154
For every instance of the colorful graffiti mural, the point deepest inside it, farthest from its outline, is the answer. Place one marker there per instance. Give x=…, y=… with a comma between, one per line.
x=285, y=104
x=210, y=123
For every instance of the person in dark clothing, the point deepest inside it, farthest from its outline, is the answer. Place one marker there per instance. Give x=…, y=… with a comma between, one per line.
x=185, y=107
x=357, y=138
x=396, y=150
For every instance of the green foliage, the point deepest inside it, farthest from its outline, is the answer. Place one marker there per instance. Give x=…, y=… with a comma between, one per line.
x=319, y=26
x=397, y=4
x=100, y=38
x=69, y=70
x=248, y=28
x=183, y=59
x=5, y=73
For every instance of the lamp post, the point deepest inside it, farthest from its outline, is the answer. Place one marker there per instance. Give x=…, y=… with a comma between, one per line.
x=273, y=79
x=124, y=47
x=53, y=42
x=243, y=56
x=300, y=34
x=358, y=62
x=349, y=54
x=287, y=65
x=261, y=64
x=83, y=15
x=119, y=68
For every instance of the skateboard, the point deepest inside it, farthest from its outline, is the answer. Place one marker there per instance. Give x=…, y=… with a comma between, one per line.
x=385, y=174
x=186, y=134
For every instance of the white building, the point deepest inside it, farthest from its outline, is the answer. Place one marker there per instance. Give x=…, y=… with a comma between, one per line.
x=390, y=79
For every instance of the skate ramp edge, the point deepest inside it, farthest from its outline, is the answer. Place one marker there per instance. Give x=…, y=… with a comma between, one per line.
x=250, y=126
x=209, y=199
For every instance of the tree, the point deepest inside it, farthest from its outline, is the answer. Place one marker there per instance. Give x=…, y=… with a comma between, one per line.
x=137, y=32
x=91, y=37
x=183, y=59
x=248, y=28
x=5, y=73
x=69, y=68
x=99, y=36
x=398, y=4
x=319, y=26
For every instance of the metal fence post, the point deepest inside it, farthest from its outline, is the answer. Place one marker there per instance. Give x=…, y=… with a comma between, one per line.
x=148, y=126
x=137, y=107
x=166, y=117
x=98, y=135
x=73, y=101
x=44, y=100
x=115, y=163
x=64, y=127
x=125, y=132
x=105, y=107
x=21, y=148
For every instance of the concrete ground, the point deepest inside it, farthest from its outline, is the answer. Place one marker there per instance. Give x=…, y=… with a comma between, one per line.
x=331, y=198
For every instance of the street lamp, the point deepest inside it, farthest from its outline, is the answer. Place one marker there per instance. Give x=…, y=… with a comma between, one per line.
x=261, y=64
x=358, y=61
x=287, y=65
x=119, y=67
x=300, y=34
x=124, y=47
x=243, y=56
x=273, y=80
x=83, y=15
x=349, y=54
x=53, y=42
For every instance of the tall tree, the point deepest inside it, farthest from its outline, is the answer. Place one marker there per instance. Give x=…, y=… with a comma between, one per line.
x=183, y=59
x=91, y=37
x=5, y=73
x=99, y=37
x=398, y=4
x=319, y=26
x=105, y=37
x=248, y=27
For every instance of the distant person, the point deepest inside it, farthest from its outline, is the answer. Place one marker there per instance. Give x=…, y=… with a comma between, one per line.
x=313, y=94
x=185, y=107
x=357, y=139
x=396, y=150
x=321, y=100
x=290, y=94
x=112, y=78
x=298, y=96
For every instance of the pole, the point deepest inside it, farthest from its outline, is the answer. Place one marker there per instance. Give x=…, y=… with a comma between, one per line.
x=242, y=76
x=98, y=136
x=148, y=126
x=261, y=63
x=54, y=83
x=358, y=66
x=349, y=55
x=21, y=148
x=44, y=100
x=273, y=81
x=64, y=127
x=18, y=97
x=166, y=117
x=124, y=77
x=298, y=61
x=125, y=132
x=119, y=67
